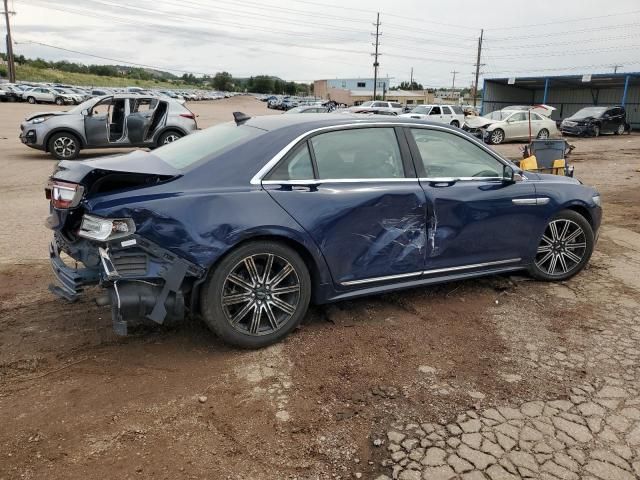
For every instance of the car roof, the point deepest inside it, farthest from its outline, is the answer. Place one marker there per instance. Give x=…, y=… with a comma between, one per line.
x=321, y=120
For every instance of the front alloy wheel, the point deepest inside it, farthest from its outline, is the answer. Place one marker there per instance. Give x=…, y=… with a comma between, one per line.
x=257, y=295
x=64, y=146
x=497, y=136
x=565, y=247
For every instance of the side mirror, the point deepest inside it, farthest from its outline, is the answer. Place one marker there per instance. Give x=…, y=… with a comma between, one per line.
x=509, y=175
x=85, y=112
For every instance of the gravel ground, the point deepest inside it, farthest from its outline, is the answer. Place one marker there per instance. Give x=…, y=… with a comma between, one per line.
x=495, y=378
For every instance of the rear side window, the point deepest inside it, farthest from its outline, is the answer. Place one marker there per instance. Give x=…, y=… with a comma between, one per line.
x=205, y=143
x=297, y=166
x=358, y=153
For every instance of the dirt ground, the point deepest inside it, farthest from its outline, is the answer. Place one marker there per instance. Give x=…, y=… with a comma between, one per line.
x=78, y=402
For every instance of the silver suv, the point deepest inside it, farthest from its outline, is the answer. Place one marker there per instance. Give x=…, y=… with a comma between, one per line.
x=120, y=120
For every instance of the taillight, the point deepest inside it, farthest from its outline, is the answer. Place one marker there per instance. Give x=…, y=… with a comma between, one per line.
x=64, y=194
x=190, y=115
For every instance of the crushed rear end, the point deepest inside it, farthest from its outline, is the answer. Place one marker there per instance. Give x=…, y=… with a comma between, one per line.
x=143, y=280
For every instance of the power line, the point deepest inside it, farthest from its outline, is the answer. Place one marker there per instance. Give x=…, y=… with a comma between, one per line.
x=570, y=20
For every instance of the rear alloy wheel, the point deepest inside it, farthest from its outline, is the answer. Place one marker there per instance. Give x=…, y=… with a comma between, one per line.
x=64, y=146
x=620, y=129
x=497, y=136
x=455, y=123
x=31, y=100
x=169, y=137
x=256, y=295
x=564, y=249
x=543, y=134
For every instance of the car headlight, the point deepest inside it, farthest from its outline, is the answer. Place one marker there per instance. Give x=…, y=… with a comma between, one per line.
x=39, y=120
x=596, y=200
x=103, y=229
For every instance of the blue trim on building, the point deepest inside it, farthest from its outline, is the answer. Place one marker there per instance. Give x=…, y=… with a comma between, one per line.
x=626, y=88
x=546, y=90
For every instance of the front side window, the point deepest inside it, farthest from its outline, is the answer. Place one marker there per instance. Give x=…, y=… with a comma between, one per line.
x=448, y=155
x=358, y=153
x=435, y=111
x=297, y=166
x=457, y=110
x=396, y=105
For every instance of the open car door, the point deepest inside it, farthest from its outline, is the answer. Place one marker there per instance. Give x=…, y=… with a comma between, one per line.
x=140, y=118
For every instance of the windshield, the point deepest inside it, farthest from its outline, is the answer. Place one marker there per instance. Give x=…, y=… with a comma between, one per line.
x=589, y=112
x=87, y=104
x=421, y=110
x=366, y=104
x=205, y=143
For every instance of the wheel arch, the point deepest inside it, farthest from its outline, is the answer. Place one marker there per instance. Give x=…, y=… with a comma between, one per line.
x=582, y=210
x=170, y=128
x=314, y=263
x=63, y=130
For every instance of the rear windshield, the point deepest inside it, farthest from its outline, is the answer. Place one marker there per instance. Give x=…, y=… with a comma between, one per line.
x=205, y=143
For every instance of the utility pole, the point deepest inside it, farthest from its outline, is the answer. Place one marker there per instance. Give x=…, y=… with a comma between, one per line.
x=411, y=82
x=375, y=55
x=10, y=62
x=616, y=67
x=478, y=64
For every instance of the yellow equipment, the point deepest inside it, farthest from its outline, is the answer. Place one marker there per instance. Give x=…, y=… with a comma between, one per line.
x=547, y=156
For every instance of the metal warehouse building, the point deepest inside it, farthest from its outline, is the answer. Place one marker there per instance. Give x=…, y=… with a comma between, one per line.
x=568, y=93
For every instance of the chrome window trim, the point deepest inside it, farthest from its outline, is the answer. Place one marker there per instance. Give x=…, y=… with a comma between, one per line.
x=336, y=180
x=459, y=179
x=266, y=169
x=429, y=272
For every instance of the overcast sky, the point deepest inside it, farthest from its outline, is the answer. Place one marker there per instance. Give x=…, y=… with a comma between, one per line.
x=304, y=40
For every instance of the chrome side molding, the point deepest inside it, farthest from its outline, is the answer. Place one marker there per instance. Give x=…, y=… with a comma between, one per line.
x=428, y=272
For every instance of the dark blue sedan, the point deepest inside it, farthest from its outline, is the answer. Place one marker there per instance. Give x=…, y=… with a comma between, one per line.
x=248, y=222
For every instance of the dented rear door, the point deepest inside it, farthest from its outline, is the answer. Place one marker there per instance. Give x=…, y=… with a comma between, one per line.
x=367, y=228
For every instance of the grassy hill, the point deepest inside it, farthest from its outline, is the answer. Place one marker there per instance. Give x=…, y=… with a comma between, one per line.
x=27, y=73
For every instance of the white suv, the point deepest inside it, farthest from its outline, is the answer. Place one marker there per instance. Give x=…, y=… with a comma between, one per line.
x=450, y=114
x=47, y=95
x=378, y=106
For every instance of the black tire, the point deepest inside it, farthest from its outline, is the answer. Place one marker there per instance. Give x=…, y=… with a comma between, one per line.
x=255, y=295
x=497, y=136
x=64, y=146
x=169, y=136
x=551, y=270
x=59, y=101
x=455, y=123
x=544, y=135
x=620, y=130
x=31, y=100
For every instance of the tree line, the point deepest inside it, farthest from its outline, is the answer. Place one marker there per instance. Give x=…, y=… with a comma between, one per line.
x=220, y=81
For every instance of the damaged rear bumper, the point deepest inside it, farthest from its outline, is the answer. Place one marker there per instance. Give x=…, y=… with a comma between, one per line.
x=143, y=280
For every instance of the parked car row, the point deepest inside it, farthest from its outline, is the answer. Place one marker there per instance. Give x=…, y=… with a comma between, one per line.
x=74, y=95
